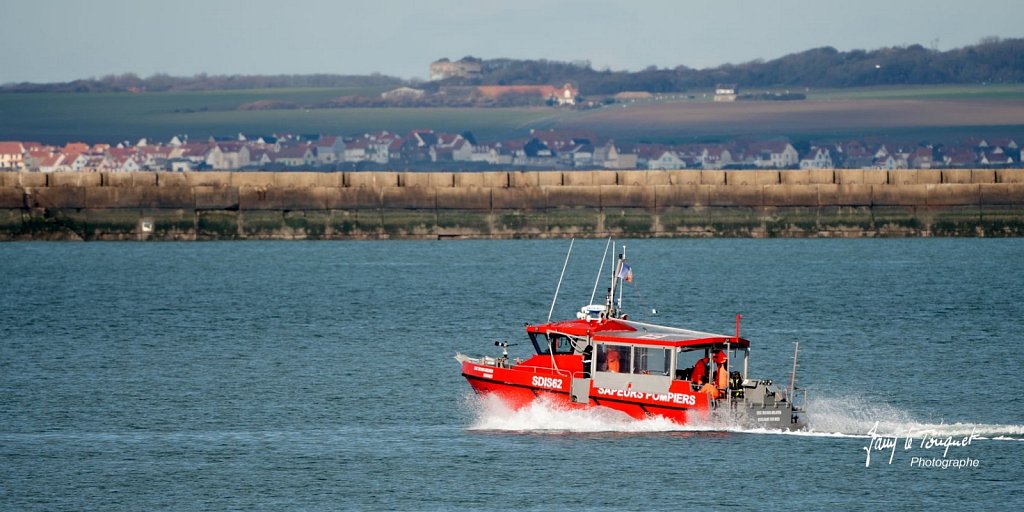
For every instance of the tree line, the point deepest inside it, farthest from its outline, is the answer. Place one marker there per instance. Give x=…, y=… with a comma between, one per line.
x=164, y=83
x=992, y=60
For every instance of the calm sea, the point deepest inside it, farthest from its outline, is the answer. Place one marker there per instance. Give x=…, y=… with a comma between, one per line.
x=320, y=376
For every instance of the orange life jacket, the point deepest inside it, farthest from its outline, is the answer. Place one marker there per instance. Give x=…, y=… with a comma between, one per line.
x=722, y=377
x=613, y=362
x=721, y=383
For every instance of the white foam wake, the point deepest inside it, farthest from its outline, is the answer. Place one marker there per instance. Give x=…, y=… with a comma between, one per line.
x=858, y=416
x=544, y=415
x=826, y=417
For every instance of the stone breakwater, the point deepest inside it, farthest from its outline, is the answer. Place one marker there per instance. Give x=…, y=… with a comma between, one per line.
x=514, y=204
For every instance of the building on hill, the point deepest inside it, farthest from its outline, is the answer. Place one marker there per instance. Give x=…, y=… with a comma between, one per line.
x=463, y=68
x=403, y=93
x=726, y=92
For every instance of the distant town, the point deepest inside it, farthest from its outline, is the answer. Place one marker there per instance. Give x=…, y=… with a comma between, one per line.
x=535, y=150
x=497, y=83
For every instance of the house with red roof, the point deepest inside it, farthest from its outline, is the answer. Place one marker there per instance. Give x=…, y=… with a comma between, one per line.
x=356, y=150
x=295, y=155
x=921, y=158
x=12, y=156
x=451, y=147
x=52, y=163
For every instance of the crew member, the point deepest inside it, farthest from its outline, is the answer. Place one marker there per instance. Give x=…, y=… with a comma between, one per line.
x=700, y=370
x=588, y=358
x=613, y=360
x=716, y=388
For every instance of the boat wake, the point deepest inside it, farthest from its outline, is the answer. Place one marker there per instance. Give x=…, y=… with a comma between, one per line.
x=827, y=417
x=544, y=415
x=854, y=416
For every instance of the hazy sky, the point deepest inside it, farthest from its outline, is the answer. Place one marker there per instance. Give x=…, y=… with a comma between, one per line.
x=61, y=40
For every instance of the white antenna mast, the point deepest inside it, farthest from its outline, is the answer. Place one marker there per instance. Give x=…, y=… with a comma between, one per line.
x=599, y=270
x=559, y=287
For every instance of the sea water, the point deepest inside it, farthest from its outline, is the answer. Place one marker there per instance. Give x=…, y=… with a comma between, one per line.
x=320, y=376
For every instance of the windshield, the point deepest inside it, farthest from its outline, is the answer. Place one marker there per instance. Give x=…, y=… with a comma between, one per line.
x=559, y=343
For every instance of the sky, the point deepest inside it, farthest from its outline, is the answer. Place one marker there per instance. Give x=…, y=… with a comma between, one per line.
x=63, y=40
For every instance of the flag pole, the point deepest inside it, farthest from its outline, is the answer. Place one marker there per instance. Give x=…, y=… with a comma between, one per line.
x=622, y=264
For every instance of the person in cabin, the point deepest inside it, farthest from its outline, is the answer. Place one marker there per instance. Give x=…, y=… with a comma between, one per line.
x=588, y=358
x=613, y=361
x=716, y=388
x=700, y=371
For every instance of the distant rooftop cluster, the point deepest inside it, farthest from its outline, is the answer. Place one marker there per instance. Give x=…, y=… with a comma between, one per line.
x=537, y=149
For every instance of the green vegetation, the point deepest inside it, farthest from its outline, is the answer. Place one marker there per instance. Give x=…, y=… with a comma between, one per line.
x=348, y=223
x=470, y=220
x=217, y=225
x=573, y=220
x=636, y=222
x=398, y=223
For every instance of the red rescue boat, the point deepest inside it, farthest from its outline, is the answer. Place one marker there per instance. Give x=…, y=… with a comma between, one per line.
x=603, y=359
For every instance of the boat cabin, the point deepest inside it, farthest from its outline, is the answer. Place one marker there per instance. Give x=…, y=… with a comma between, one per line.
x=623, y=354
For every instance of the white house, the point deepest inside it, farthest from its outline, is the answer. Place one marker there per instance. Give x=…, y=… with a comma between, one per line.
x=714, y=157
x=818, y=158
x=228, y=155
x=774, y=154
x=330, y=149
x=665, y=159
x=726, y=92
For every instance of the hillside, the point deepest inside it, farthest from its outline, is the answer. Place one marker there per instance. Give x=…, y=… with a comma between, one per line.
x=991, y=61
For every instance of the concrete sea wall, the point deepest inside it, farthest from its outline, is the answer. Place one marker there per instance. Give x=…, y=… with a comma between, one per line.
x=514, y=204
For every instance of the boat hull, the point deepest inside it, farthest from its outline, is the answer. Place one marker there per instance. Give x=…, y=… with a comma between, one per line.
x=517, y=387
x=520, y=387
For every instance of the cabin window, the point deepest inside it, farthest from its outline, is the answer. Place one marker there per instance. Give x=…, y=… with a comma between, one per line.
x=544, y=344
x=651, y=361
x=613, y=359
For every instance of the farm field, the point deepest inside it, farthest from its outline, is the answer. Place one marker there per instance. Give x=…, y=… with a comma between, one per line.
x=912, y=113
x=112, y=117
x=923, y=92
x=912, y=119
